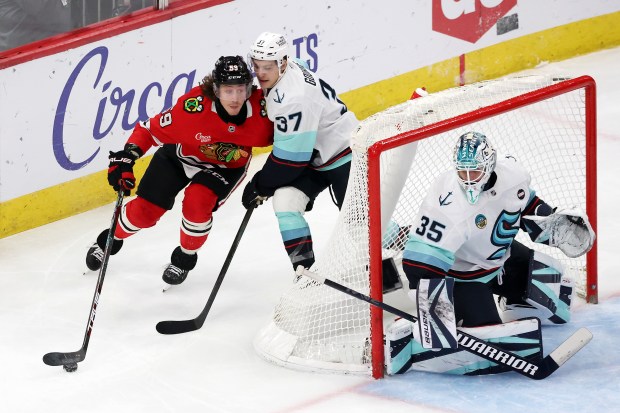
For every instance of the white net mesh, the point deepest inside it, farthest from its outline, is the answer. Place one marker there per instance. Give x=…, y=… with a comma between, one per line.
x=318, y=328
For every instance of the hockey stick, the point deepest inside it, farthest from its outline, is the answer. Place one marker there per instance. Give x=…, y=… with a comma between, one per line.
x=185, y=326
x=69, y=360
x=532, y=369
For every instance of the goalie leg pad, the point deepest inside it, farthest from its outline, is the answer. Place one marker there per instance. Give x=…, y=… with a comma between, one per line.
x=403, y=353
x=436, y=317
x=399, y=343
x=548, y=293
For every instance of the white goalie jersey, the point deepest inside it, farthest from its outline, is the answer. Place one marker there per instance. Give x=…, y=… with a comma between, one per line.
x=472, y=242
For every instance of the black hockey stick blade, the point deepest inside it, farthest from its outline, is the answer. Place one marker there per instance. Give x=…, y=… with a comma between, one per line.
x=536, y=370
x=179, y=326
x=61, y=359
x=185, y=326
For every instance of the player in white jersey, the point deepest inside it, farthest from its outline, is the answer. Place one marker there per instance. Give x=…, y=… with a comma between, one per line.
x=461, y=248
x=311, y=149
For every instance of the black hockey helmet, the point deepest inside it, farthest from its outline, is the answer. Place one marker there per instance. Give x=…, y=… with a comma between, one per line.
x=231, y=70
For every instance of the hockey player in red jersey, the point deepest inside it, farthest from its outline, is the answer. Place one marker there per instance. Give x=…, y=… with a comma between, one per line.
x=206, y=143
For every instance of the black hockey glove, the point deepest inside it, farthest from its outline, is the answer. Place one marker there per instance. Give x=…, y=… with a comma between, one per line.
x=120, y=169
x=251, y=197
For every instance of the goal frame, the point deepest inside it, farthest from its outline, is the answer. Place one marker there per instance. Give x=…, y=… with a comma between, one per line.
x=374, y=189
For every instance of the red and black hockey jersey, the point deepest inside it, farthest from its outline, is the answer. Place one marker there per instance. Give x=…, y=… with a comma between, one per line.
x=202, y=136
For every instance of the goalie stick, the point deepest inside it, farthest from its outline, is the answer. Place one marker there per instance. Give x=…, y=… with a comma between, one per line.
x=537, y=370
x=185, y=326
x=69, y=360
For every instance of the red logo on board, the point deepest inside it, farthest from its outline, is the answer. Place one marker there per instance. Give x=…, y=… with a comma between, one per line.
x=468, y=20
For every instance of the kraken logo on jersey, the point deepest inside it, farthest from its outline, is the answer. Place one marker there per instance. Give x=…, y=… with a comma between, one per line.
x=278, y=98
x=504, y=232
x=443, y=201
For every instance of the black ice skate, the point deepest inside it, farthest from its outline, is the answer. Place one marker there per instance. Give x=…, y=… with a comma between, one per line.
x=94, y=257
x=174, y=275
x=180, y=265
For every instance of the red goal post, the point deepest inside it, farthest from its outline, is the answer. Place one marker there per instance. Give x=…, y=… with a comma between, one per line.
x=547, y=122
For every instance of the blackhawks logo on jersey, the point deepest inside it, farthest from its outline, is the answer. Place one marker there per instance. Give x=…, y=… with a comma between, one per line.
x=193, y=105
x=223, y=152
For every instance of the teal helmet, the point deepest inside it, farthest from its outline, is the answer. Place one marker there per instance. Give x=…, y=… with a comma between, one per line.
x=474, y=161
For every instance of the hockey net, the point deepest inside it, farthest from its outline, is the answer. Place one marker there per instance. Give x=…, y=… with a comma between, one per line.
x=547, y=122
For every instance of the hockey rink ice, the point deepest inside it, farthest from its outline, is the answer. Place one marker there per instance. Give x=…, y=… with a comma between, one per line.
x=45, y=300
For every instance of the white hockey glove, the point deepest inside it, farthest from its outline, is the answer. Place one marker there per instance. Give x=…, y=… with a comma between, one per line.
x=568, y=229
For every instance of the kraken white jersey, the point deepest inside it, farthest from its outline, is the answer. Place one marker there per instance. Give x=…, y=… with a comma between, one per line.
x=310, y=123
x=470, y=240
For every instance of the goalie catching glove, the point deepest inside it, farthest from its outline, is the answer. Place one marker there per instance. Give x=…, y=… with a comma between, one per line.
x=568, y=229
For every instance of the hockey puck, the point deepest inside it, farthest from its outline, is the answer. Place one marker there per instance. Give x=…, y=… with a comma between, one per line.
x=70, y=367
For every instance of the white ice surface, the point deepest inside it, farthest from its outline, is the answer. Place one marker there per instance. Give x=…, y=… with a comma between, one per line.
x=45, y=300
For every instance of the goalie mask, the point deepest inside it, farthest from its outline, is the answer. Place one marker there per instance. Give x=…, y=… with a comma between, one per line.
x=231, y=70
x=269, y=46
x=474, y=160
